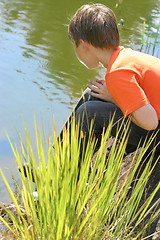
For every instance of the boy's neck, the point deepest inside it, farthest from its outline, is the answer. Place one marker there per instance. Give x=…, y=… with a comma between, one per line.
x=104, y=55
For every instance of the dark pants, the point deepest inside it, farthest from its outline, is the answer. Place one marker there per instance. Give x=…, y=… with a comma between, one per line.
x=89, y=108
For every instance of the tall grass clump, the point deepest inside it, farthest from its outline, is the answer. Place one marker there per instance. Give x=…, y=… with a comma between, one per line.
x=75, y=202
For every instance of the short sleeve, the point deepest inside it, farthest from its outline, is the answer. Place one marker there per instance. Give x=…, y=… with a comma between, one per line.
x=123, y=85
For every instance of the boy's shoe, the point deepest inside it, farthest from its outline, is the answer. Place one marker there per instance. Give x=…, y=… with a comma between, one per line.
x=25, y=168
x=35, y=195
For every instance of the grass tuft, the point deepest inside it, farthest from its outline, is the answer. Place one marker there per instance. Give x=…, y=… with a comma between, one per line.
x=79, y=203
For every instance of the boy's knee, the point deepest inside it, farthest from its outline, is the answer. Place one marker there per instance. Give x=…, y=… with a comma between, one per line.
x=79, y=114
x=84, y=112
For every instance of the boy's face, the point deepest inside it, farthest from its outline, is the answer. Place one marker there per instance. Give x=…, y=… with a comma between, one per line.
x=85, y=54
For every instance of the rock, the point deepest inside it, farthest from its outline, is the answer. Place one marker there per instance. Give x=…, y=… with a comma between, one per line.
x=152, y=183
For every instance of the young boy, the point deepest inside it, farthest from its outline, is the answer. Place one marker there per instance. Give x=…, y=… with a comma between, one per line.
x=132, y=83
x=131, y=88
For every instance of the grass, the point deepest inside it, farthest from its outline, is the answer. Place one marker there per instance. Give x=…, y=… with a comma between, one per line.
x=151, y=39
x=77, y=203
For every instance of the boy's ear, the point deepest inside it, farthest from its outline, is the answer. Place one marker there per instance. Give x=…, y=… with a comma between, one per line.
x=84, y=44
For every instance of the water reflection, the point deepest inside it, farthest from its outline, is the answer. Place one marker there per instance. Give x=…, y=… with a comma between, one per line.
x=43, y=24
x=39, y=71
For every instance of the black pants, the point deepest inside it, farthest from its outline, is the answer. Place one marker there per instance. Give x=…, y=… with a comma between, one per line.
x=89, y=108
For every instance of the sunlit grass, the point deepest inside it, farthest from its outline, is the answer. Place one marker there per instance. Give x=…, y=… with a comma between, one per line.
x=151, y=39
x=76, y=203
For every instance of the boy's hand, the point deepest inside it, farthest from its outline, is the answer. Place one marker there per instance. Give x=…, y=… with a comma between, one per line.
x=99, y=86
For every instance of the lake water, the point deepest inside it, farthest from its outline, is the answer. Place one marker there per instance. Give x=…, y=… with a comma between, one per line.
x=39, y=72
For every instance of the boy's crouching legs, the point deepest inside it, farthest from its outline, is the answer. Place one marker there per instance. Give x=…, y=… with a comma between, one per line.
x=100, y=113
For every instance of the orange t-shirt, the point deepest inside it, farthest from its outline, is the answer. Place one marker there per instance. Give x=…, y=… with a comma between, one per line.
x=133, y=80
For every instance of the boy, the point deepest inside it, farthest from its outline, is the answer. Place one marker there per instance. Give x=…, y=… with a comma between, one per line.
x=131, y=88
x=132, y=83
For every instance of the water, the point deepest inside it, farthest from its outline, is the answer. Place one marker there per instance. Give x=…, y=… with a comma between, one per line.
x=39, y=72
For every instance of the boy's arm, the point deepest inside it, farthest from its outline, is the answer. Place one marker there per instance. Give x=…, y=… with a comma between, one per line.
x=144, y=117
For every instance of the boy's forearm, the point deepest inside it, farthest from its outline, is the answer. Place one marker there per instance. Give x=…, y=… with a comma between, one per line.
x=110, y=99
x=100, y=90
x=145, y=117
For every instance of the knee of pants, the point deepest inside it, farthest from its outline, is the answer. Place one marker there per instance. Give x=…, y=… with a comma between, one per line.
x=84, y=115
x=79, y=114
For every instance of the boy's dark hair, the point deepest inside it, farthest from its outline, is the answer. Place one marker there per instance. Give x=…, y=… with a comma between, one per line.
x=96, y=24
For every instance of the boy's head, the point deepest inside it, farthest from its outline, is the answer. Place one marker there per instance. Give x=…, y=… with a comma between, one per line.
x=96, y=24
